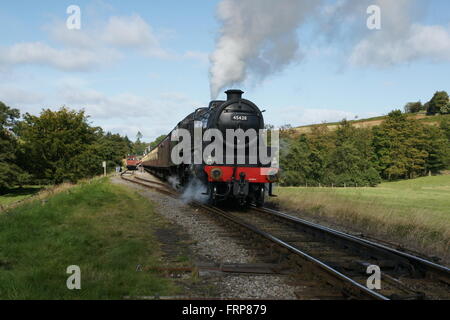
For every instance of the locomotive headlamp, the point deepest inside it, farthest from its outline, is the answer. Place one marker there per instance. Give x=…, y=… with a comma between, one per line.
x=216, y=174
x=272, y=176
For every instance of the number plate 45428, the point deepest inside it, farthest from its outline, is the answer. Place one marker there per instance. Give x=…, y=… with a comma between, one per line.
x=239, y=118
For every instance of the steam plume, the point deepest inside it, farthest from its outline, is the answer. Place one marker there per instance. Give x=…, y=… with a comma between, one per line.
x=258, y=37
x=193, y=191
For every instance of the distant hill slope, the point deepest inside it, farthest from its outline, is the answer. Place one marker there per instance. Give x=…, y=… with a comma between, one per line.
x=371, y=122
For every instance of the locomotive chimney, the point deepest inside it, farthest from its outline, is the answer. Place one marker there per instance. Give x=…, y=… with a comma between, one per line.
x=234, y=94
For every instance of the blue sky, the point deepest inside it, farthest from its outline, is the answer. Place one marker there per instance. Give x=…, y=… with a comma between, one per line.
x=143, y=65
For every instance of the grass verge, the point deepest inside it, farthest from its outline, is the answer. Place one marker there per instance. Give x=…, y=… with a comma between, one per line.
x=18, y=194
x=104, y=229
x=415, y=213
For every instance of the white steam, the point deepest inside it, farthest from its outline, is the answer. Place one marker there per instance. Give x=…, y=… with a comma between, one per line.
x=174, y=182
x=258, y=37
x=193, y=191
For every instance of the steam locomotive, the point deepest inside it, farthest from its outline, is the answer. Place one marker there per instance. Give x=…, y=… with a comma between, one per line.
x=247, y=182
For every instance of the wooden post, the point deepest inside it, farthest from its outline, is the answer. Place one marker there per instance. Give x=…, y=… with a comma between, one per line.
x=104, y=168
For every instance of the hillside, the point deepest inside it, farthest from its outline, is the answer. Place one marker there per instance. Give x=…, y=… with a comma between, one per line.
x=371, y=122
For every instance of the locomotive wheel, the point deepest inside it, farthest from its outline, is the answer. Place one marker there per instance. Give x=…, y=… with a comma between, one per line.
x=212, y=199
x=260, y=197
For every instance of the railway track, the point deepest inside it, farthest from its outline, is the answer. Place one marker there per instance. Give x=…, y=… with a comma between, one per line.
x=341, y=259
x=155, y=185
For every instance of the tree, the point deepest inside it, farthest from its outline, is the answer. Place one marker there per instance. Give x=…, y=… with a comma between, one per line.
x=138, y=148
x=350, y=163
x=438, y=149
x=413, y=107
x=113, y=148
x=286, y=131
x=400, y=146
x=296, y=163
x=60, y=146
x=329, y=157
x=445, y=128
x=439, y=103
x=10, y=174
x=157, y=141
x=139, y=136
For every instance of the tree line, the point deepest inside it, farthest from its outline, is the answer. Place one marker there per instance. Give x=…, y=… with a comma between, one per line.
x=55, y=147
x=59, y=146
x=399, y=148
x=439, y=104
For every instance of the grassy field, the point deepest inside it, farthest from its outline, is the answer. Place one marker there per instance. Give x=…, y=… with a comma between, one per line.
x=370, y=122
x=415, y=213
x=102, y=228
x=18, y=194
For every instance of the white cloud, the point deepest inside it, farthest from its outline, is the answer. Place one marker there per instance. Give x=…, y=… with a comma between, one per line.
x=72, y=38
x=127, y=113
x=420, y=42
x=38, y=53
x=16, y=97
x=133, y=32
x=91, y=48
x=400, y=40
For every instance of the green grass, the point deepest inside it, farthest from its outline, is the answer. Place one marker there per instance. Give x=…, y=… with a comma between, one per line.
x=413, y=212
x=18, y=194
x=104, y=229
x=436, y=118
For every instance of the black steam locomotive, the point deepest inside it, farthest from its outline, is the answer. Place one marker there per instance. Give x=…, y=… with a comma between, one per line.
x=248, y=181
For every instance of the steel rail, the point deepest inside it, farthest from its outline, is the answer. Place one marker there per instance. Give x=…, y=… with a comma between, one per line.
x=362, y=290
x=421, y=263
x=157, y=185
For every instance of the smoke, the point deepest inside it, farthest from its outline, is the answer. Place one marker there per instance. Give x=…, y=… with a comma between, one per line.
x=193, y=191
x=258, y=38
x=174, y=182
